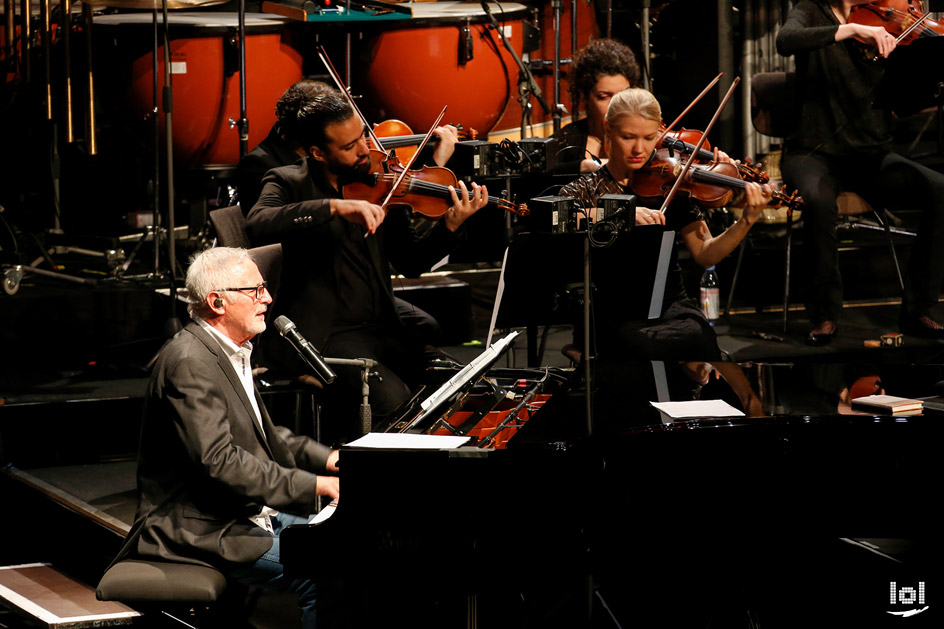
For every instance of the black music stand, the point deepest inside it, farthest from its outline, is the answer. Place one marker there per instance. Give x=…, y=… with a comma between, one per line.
x=539, y=270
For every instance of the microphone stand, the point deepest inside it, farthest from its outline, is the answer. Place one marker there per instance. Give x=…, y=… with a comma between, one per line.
x=527, y=86
x=644, y=45
x=366, y=364
x=557, y=5
x=243, y=126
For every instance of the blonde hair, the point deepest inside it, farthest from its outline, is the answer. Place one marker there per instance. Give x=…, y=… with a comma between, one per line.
x=633, y=101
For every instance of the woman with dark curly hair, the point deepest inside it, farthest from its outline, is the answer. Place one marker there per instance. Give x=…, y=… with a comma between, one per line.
x=599, y=70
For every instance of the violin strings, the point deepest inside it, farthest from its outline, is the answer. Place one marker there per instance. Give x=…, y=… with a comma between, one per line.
x=443, y=191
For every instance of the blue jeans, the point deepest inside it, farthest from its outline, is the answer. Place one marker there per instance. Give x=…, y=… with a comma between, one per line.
x=267, y=573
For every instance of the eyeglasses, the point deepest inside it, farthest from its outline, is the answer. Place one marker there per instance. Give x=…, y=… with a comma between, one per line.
x=256, y=290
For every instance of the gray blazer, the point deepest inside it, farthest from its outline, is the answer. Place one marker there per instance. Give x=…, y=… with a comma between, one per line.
x=204, y=465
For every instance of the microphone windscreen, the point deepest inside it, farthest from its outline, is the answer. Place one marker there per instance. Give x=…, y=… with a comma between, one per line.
x=283, y=324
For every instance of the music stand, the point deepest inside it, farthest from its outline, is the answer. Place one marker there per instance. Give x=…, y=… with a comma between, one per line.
x=538, y=267
x=450, y=392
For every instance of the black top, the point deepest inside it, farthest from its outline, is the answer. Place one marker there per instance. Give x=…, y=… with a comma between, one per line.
x=836, y=85
x=328, y=264
x=572, y=140
x=271, y=153
x=360, y=290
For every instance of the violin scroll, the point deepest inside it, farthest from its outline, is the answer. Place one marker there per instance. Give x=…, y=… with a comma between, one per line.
x=792, y=200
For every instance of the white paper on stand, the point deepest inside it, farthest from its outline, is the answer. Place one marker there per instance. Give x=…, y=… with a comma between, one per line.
x=698, y=408
x=409, y=441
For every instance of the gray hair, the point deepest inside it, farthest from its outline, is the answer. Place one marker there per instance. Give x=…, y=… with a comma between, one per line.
x=210, y=270
x=633, y=101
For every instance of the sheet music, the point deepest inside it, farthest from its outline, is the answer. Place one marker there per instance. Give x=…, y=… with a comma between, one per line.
x=325, y=513
x=409, y=441
x=698, y=408
x=473, y=369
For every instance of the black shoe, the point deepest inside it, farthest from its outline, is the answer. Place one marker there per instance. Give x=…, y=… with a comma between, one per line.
x=923, y=326
x=822, y=334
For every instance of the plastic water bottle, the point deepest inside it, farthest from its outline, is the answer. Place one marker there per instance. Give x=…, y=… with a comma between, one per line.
x=709, y=293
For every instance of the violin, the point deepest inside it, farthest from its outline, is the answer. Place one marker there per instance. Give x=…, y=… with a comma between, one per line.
x=708, y=185
x=424, y=190
x=396, y=134
x=905, y=19
x=683, y=141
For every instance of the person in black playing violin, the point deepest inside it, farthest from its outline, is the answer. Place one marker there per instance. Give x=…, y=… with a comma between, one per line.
x=682, y=332
x=335, y=283
x=283, y=147
x=279, y=148
x=599, y=70
x=842, y=142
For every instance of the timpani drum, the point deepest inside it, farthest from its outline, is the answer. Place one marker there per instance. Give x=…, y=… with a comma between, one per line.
x=204, y=56
x=445, y=55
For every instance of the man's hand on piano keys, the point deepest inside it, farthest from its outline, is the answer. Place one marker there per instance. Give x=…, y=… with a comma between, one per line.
x=332, y=464
x=328, y=486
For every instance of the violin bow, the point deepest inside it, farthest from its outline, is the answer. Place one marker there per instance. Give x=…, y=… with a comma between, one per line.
x=694, y=102
x=350, y=99
x=701, y=142
x=419, y=149
x=911, y=28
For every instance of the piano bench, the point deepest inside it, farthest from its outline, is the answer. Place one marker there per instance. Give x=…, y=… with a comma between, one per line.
x=50, y=598
x=169, y=588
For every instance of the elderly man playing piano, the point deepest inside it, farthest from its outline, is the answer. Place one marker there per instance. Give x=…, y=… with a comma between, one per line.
x=217, y=480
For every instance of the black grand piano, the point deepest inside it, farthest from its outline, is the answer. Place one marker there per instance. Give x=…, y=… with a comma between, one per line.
x=805, y=518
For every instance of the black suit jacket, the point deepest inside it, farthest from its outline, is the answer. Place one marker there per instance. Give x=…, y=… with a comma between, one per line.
x=205, y=465
x=271, y=153
x=294, y=209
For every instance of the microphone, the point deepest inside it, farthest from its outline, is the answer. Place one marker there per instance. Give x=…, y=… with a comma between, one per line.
x=305, y=349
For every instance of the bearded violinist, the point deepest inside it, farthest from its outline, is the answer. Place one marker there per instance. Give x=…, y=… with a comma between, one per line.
x=682, y=332
x=841, y=142
x=336, y=280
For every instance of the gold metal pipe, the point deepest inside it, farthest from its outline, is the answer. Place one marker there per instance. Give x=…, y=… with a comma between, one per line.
x=90, y=111
x=65, y=28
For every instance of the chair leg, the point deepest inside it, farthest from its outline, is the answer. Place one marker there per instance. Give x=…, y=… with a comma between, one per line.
x=786, y=271
x=883, y=221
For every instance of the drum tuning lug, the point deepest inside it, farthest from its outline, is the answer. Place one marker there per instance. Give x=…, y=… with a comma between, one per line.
x=232, y=122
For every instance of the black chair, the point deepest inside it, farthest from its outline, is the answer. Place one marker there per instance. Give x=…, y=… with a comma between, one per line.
x=230, y=226
x=185, y=593
x=773, y=113
x=269, y=260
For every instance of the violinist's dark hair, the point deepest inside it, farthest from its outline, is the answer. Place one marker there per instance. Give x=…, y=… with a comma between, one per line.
x=599, y=58
x=317, y=112
x=286, y=109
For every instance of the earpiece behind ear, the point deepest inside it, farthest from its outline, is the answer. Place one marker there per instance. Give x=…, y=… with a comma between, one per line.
x=218, y=302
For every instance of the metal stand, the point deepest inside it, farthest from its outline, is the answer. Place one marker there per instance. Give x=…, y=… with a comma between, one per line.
x=557, y=6
x=644, y=42
x=243, y=124
x=527, y=86
x=168, y=104
x=366, y=364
